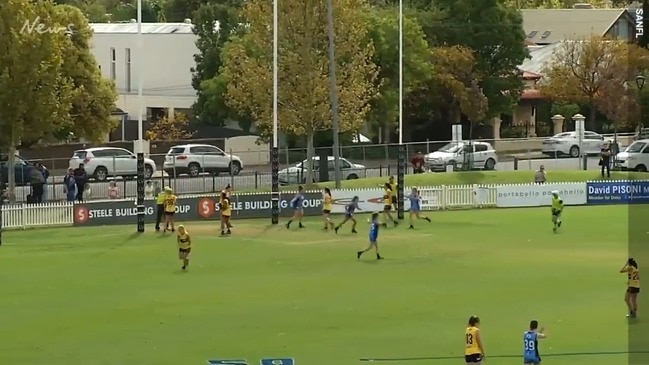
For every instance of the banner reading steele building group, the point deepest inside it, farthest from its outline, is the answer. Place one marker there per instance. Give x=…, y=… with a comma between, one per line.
x=189, y=209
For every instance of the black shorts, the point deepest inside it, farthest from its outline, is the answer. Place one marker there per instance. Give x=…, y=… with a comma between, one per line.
x=387, y=208
x=184, y=250
x=326, y=211
x=473, y=358
x=224, y=216
x=170, y=213
x=633, y=290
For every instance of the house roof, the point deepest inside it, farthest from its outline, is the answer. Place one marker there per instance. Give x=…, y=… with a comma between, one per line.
x=147, y=28
x=546, y=26
x=539, y=59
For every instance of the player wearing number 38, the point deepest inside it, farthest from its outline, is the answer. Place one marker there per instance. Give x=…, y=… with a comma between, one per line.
x=474, y=352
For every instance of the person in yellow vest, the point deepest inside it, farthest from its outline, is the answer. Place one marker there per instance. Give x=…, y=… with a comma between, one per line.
x=474, y=350
x=226, y=213
x=170, y=209
x=160, y=209
x=557, y=209
x=184, y=245
x=633, y=286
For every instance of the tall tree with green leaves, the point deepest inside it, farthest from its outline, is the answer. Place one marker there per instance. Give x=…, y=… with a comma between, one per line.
x=304, y=82
x=214, y=23
x=383, y=24
x=34, y=94
x=495, y=35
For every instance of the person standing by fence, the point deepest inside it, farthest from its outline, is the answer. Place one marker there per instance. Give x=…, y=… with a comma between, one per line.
x=80, y=178
x=70, y=186
x=160, y=209
x=418, y=163
x=605, y=160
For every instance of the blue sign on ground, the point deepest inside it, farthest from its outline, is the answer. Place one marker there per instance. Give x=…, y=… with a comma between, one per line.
x=618, y=192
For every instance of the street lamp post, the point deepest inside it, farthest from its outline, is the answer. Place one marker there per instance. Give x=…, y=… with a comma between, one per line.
x=639, y=81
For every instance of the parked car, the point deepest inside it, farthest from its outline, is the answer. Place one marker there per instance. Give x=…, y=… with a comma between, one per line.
x=297, y=174
x=482, y=154
x=102, y=162
x=635, y=157
x=194, y=159
x=643, y=133
x=22, y=170
x=567, y=144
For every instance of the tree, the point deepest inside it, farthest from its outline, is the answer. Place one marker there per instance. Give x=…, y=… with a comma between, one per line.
x=589, y=72
x=35, y=95
x=170, y=128
x=497, y=39
x=454, y=74
x=214, y=24
x=384, y=31
x=92, y=97
x=303, y=68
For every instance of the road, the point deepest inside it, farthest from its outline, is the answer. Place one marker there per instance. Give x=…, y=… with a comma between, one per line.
x=248, y=180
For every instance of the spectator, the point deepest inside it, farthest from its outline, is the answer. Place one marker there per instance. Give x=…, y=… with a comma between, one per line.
x=87, y=193
x=38, y=182
x=113, y=191
x=540, y=176
x=418, y=163
x=80, y=178
x=148, y=190
x=605, y=160
x=46, y=175
x=160, y=209
x=70, y=186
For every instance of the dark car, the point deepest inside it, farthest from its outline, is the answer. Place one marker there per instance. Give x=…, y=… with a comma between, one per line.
x=22, y=169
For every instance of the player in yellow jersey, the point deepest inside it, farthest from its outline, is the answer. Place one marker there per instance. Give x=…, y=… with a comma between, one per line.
x=184, y=246
x=170, y=209
x=474, y=351
x=388, y=194
x=226, y=213
x=633, y=286
x=327, y=206
x=557, y=209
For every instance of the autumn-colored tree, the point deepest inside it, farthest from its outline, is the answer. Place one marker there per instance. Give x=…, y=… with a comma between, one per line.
x=170, y=128
x=591, y=72
x=304, y=83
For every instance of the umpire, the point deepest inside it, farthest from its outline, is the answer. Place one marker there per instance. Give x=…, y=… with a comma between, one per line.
x=160, y=209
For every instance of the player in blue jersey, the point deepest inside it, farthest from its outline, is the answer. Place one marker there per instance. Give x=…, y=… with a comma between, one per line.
x=531, y=344
x=415, y=207
x=298, y=207
x=349, y=215
x=374, y=235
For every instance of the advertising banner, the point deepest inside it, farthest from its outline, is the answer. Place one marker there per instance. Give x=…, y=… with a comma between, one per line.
x=539, y=195
x=618, y=192
x=103, y=213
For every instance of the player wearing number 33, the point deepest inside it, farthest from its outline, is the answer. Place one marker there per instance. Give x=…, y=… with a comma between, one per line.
x=633, y=286
x=531, y=344
x=474, y=352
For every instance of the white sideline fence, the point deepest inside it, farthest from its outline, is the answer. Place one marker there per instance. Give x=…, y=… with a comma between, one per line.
x=52, y=214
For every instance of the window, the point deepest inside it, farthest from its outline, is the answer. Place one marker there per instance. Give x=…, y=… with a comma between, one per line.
x=113, y=65
x=176, y=151
x=481, y=148
x=646, y=150
x=128, y=70
x=344, y=164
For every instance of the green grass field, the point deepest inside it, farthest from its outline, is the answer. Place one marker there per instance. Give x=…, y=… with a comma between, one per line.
x=107, y=296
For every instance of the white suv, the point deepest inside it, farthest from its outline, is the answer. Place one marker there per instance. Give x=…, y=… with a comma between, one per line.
x=103, y=162
x=635, y=157
x=194, y=159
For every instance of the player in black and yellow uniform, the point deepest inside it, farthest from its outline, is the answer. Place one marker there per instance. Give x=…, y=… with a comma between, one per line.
x=633, y=286
x=184, y=246
x=474, y=351
x=170, y=209
x=388, y=195
x=327, y=206
x=226, y=212
x=394, y=186
x=557, y=209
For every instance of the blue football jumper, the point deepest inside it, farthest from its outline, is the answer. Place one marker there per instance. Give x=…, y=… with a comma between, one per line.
x=415, y=203
x=298, y=207
x=350, y=209
x=373, y=236
x=531, y=348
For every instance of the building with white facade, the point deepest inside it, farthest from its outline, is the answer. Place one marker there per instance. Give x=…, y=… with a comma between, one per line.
x=165, y=61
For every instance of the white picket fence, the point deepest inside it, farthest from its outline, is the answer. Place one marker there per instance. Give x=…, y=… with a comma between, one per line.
x=51, y=214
